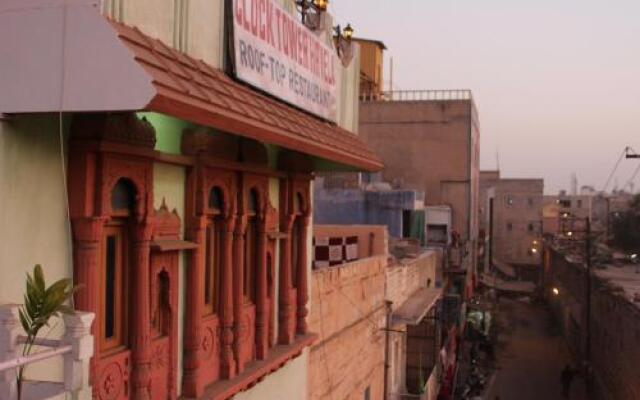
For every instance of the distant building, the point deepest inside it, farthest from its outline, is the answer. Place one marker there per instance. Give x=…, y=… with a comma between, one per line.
x=513, y=220
x=347, y=202
x=371, y=66
x=429, y=141
x=561, y=211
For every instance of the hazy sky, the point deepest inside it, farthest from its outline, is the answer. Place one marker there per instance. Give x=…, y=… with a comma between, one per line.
x=556, y=82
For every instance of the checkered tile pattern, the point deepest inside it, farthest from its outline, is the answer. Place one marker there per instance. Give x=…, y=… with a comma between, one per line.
x=331, y=251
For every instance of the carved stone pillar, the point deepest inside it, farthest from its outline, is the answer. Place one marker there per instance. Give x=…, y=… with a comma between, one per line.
x=286, y=317
x=303, y=290
x=141, y=326
x=238, y=291
x=194, y=386
x=228, y=365
x=262, y=300
x=87, y=233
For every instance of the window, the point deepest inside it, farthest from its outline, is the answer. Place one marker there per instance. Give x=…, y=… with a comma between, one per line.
x=509, y=226
x=213, y=253
x=530, y=227
x=123, y=198
x=565, y=203
x=367, y=393
x=251, y=247
x=579, y=203
x=113, y=268
x=530, y=201
x=406, y=223
x=509, y=200
x=296, y=234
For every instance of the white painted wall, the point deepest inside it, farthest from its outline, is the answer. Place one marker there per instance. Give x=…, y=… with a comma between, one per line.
x=289, y=382
x=33, y=215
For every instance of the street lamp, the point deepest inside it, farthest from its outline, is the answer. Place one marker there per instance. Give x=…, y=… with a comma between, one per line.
x=321, y=4
x=343, y=43
x=347, y=32
x=311, y=11
x=555, y=291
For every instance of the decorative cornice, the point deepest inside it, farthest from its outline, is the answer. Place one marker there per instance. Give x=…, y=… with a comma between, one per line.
x=121, y=127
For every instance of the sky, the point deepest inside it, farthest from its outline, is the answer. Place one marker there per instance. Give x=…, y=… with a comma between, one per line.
x=556, y=82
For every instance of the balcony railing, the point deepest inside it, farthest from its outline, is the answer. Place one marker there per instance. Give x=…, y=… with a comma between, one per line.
x=75, y=347
x=418, y=95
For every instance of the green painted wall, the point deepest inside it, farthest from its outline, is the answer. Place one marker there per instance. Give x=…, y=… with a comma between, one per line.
x=168, y=131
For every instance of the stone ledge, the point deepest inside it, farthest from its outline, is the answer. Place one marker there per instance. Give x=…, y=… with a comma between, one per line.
x=256, y=371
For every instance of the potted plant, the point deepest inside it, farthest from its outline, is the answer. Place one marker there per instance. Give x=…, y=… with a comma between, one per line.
x=41, y=304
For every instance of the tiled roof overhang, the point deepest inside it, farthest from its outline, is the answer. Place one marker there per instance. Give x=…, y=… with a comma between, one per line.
x=193, y=90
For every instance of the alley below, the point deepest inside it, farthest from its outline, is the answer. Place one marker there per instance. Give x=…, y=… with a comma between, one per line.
x=531, y=354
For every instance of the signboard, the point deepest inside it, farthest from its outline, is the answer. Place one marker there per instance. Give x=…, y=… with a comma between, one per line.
x=278, y=54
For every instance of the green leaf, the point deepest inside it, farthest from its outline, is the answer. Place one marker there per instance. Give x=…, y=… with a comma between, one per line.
x=59, y=286
x=38, y=277
x=24, y=321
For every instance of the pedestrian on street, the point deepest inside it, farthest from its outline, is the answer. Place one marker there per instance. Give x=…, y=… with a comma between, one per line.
x=566, y=377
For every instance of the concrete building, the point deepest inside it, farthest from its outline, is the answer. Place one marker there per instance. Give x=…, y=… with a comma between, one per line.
x=563, y=205
x=605, y=335
x=179, y=196
x=421, y=346
x=430, y=141
x=559, y=210
x=512, y=214
x=376, y=319
x=402, y=211
x=347, y=360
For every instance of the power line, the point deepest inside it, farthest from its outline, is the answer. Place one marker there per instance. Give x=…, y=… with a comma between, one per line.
x=615, y=168
x=630, y=181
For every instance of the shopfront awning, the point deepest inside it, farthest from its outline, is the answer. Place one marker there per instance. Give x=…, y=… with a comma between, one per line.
x=63, y=56
x=412, y=311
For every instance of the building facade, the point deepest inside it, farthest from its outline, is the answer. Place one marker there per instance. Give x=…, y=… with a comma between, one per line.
x=349, y=314
x=380, y=334
x=142, y=164
x=512, y=214
x=430, y=142
x=377, y=203
x=605, y=333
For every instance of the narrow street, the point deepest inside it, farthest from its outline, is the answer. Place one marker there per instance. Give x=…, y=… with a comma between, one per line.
x=530, y=355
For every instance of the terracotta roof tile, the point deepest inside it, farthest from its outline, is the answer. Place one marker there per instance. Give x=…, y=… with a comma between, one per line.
x=191, y=89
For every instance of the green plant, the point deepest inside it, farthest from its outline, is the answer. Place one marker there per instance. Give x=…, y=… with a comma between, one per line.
x=41, y=303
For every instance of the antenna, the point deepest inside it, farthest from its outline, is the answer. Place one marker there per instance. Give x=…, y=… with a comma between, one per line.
x=497, y=160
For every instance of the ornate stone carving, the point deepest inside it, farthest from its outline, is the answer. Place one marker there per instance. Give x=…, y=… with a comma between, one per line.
x=111, y=382
x=122, y=127
x=208, y=343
